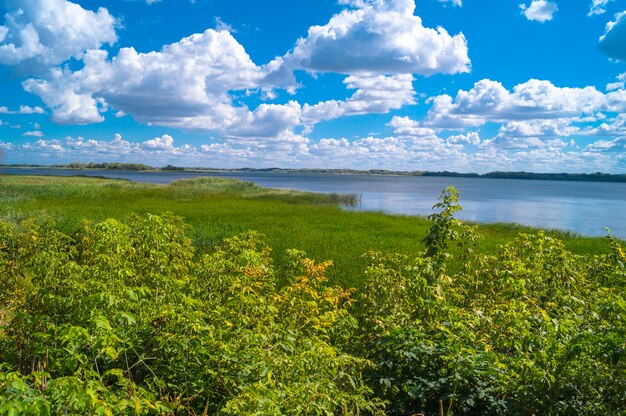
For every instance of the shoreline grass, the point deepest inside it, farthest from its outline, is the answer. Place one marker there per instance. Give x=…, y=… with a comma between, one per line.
x=221, y=208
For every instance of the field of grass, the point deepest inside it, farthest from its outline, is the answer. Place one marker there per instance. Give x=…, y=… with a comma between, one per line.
x=219, y=208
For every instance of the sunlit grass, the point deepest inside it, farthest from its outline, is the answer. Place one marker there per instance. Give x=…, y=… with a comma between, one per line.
x=217, y=208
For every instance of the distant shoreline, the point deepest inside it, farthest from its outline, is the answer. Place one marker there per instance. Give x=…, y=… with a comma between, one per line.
x=576, y=177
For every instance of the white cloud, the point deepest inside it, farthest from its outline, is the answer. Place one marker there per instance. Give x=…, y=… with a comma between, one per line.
x=269, y=120
x=64, y=93
x=222, y=25
x=377, y=36
x=602, y=146
x=160, y=150
x=6, y=146
x=598, y=7
x=35, y=133
x=187, y=84
x=509, y=143
x=36, y=34
x=539, y=10
x=374, y=94
x=398, y=152
x=533, y=100
x=458, y=3
x=165, y=142
x=612, y=86
x=24, y=109
x=3, y=33
x=611, y=127
x=193, y=84
x=613, y=42
x=472, y=138
x=404, y=126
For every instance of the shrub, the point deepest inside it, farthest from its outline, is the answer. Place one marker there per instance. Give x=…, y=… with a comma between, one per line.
x=124, y=318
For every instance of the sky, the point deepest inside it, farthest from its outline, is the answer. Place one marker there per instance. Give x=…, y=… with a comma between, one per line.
x=457, y=85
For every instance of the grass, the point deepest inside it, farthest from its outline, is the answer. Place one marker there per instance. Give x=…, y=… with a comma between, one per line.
x=217, y=208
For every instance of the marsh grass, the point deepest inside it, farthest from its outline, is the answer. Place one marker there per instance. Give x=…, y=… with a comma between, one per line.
x=217, y=208
x=244, y=189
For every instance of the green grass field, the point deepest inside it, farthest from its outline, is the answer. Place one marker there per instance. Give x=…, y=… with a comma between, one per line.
x=218, y=208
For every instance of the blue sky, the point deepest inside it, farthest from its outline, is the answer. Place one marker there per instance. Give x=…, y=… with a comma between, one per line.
x=462, y=85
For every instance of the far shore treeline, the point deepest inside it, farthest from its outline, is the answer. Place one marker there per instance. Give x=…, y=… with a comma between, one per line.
x=586, y=177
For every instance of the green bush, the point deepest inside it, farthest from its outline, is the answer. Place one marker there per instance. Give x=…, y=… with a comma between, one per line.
x=531, y=329
x=124, y=318
x=129, y=318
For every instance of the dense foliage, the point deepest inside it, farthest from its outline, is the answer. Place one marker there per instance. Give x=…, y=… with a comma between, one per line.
x=123, y=318
x=129, y=318
x=530, y=329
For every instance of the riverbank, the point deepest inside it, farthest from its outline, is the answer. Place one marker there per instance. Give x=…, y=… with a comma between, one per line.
x=221, y=208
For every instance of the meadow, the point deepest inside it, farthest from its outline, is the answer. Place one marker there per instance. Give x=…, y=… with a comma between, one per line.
x=217, y=208
x=124, y=298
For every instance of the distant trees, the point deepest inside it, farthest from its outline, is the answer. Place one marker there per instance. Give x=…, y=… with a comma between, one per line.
x=107, y=165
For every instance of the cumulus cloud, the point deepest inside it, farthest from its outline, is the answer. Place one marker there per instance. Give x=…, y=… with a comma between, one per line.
x=186, y=84
x=613, y=42
x=189, y=85
x=385, y=152
x=6, y=146
x=533, y=100
x=64, y=93
x=165, y=142
x=404, y=126
x=374, y=94
x=421, y=151
x=472, y=138
x=539, y=10
x=163, y=150
x=598, y=7
x=192, y=84
x=610, y=127
x=37, y=34
x=604, y=146
x=378, y=36
x=540, y=128
x=24, y=109
x=34, y=133
x=612, y=86
x=79, y=148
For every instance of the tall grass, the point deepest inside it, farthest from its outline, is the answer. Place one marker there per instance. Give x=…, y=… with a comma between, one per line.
x=246, y=189
x=217, y=208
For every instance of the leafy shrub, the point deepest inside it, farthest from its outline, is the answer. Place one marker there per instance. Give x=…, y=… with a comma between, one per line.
x=123, y=318
x=531, y=329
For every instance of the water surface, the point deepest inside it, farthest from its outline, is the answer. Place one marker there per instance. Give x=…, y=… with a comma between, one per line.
x=583, y=207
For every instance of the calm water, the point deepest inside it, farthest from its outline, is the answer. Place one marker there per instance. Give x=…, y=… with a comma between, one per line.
x=582, y=207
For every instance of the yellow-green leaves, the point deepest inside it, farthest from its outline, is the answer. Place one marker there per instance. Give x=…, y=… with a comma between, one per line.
x=125, y=319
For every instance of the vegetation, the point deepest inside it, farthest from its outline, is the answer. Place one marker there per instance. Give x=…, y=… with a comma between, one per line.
x=217, y=209
x=107, y=165
x=128, y=317
x=553, y=176
x=528, y=329
x=122, y=318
